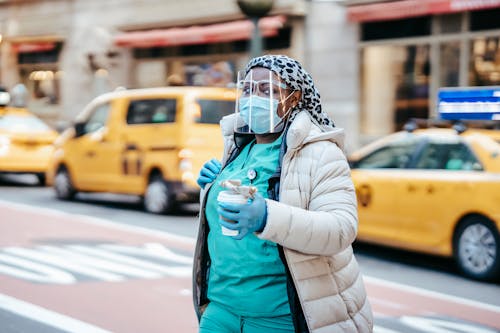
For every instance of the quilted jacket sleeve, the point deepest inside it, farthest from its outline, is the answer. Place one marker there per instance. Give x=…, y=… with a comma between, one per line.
x=317, y=212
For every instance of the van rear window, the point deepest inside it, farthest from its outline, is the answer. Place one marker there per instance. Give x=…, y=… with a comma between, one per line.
x=213, y=110
x=149, y=111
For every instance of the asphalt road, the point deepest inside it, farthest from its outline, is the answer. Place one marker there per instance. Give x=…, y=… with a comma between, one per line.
x=392, y=276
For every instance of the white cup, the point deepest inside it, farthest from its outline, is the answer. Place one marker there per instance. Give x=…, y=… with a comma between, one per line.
x=230, y=197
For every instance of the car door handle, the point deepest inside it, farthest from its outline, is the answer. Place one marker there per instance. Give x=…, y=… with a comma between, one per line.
x=90, y=153
x=131, y=147
x=411, y=188
x=430, y=189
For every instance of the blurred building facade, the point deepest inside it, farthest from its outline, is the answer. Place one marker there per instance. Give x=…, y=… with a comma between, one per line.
x=376, y=63
x=411, y=48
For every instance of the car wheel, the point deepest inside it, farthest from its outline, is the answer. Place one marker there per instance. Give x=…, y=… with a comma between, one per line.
x=42, y=180
x=476, y=249
x=157, y=198
x=63, y=186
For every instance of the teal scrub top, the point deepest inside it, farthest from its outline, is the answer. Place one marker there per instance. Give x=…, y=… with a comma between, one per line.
x=246, y=275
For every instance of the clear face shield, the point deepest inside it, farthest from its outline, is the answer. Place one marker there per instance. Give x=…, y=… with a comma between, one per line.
x=260, y=104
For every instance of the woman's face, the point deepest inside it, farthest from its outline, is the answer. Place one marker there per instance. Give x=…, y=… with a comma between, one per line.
x=275, y=88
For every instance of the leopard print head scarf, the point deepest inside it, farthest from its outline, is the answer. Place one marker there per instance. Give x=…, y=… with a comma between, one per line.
x=291, y=72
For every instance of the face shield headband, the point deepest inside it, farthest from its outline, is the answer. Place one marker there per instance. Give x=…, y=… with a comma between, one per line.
x=291, y=72
x=261, y=98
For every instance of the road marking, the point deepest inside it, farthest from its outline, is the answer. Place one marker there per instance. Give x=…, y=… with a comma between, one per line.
x=386, y=303
x=100, y=222
x=47, y=317
x=101, y=264
x=192, y=241
x=69, y=265
x=101, y=252
x=105, y=262
x=433, y=294
x=32, y=271
x=436, y=325
x=378, y=329
x=185, y=292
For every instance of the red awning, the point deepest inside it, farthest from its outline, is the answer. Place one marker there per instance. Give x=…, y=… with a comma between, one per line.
x=411, y=8
x=214, y=33
x=27, y=47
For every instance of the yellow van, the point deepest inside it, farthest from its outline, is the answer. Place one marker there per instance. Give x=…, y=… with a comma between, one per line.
x=146, y=142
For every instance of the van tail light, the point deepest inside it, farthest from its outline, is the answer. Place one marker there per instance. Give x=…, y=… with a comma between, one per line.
x=186, y=164
x=185, y=153
x=187, y=176
x=196, y=112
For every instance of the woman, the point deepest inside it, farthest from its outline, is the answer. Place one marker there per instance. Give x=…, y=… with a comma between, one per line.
x=291, y=267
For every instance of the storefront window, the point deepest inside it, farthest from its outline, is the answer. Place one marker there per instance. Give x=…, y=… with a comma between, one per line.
x=156, y=73
x=44, y=89
x=211, y=64
x=395, y=87
x=217, y=74
x=450, y=23
x=152, y=73
x=39, y=73
x=449, y=64
x=45, y=86
x=485, y=62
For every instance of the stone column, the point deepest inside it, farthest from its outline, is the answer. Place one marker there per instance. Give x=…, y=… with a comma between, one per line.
x=9, y=74
x=331, y=56
x=379, y=89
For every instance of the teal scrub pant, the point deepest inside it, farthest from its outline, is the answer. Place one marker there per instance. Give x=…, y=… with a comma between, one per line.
x=217, y=319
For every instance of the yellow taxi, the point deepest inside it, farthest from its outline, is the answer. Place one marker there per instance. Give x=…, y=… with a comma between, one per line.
x=146, y=142
x=25, y=143
x=492, y=133
x=435, y=191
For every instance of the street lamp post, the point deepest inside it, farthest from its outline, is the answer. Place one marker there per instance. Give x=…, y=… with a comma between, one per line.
x=254, y=10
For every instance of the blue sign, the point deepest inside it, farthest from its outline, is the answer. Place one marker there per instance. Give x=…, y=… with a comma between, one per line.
x=469, y=103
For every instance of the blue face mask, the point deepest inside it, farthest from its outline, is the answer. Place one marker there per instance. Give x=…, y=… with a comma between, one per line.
x=262, y=119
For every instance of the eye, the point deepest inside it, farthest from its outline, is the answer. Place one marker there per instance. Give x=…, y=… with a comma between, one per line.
x=246, y=89
x=266, y=89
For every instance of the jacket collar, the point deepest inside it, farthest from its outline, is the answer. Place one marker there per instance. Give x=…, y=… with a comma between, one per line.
x=302, y=130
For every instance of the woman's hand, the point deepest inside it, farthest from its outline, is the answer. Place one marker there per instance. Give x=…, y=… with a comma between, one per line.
x=209, y=172
x=249, y=217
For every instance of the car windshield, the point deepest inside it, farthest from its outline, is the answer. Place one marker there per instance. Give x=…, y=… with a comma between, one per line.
x=213, y=110
x=447, y=155
x=395, y=155
x=20, y=124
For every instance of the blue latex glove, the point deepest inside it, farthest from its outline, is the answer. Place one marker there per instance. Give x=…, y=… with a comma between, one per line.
x=249, y=217
x=209, y=172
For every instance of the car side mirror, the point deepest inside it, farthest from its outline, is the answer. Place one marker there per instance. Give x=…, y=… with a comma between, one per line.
x=477, y=167
x=79, y=129
x=62, y=125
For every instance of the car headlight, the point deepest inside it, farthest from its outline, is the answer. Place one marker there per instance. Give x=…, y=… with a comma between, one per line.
x=4, y=98
x=187, y=176
x=4, y=144
x=4, y=139
x=185, y=163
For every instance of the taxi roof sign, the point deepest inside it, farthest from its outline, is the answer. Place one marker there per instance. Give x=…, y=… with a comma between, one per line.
x=469, y=103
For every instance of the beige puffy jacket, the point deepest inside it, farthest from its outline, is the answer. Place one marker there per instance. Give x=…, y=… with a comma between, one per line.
x=315, y=222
